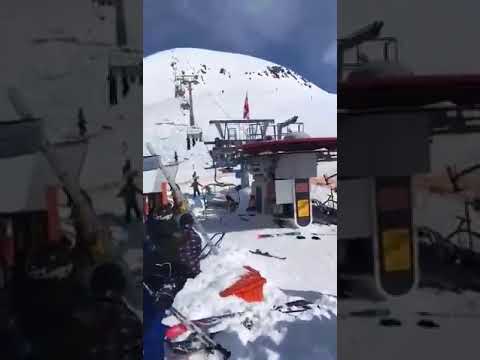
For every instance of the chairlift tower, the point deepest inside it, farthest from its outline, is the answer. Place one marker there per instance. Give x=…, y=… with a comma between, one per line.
x=189, y=80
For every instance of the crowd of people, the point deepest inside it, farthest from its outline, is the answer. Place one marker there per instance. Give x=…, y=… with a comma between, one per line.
x=169, y=230
x=56, y=307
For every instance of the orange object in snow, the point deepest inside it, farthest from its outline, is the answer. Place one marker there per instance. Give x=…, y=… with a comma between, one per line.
x=248, y=288
x=164, y=192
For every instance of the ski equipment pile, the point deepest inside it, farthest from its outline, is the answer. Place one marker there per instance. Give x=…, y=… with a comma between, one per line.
x=201, y=334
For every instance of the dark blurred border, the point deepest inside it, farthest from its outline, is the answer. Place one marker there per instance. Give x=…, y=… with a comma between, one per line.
x=71, y=238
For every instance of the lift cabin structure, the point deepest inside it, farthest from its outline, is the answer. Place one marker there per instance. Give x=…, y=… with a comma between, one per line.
x=387, y=121
x=234, y=133
x=282, y=170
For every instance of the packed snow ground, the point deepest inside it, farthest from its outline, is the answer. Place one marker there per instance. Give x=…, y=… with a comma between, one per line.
x=456, y=335
x=458, y=315
x=309, y=272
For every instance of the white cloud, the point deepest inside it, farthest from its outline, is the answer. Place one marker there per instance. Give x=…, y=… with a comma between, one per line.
x=330, y=54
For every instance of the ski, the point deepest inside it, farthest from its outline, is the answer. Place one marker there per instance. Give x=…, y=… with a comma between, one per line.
x=315, y=236
x=201, y=334
x=366, y=313
x=295, y=306
x=289, y=307
x=267, y=254
x=449, y=315
x=293, y=233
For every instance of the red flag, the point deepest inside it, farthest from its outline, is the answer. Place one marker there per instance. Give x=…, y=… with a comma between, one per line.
x=246, y=109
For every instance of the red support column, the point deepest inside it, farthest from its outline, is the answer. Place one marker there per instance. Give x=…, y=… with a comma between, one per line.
x=164, y=192
x=53, y=215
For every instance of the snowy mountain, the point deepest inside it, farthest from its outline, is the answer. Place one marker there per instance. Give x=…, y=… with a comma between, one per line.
x=274, y=92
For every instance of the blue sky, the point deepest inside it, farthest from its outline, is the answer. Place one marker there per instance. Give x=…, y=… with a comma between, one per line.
x=300, y=34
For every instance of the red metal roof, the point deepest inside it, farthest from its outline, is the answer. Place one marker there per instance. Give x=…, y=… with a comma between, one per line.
x=413, y=90
x=290, y=145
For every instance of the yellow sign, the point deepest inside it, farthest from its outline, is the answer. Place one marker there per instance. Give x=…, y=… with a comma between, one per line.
x=303, y=207
x=396, y=250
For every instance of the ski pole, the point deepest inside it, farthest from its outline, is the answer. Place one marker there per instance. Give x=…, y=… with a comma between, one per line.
x=203, y=336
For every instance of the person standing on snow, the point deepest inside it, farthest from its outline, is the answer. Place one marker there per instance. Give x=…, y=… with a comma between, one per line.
x=176, y=157
x=195, y=185
x=231, y=203
x=82, y=123
x=190, y=247
x=127, y=167
x=129, y=193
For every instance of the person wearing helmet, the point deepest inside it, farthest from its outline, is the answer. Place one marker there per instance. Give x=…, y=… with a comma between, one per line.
x=190, y=246
x=129, y=193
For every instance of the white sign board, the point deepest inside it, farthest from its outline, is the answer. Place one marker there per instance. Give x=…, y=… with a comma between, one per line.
x=296, y=166
x=284, y=191
x=355, y=212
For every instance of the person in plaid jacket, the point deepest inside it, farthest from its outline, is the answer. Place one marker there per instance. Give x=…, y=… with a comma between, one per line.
x=190, y=246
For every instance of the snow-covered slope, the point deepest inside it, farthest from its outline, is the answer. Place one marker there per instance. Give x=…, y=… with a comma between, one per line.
x=308, y=271
x=274, y=92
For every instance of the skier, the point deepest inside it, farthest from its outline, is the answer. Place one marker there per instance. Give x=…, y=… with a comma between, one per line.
x=195, y=185
x=176, y=157
x=190, y=246
x=129, y=192
x=82, y=123
x=127, y=167
x=194, y=175
x=231, y=203
x=188, y=143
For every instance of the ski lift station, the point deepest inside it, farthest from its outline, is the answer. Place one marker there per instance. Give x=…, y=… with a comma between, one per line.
x=281, y=159
x=281, y=171
x=387, y=117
